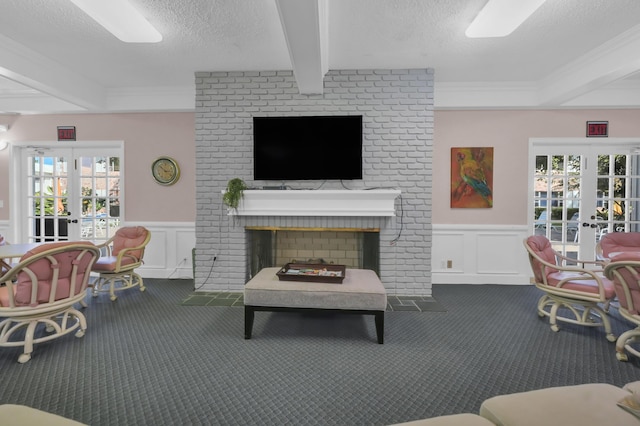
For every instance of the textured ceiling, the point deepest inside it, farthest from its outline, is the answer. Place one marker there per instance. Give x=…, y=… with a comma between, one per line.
x=53, y=58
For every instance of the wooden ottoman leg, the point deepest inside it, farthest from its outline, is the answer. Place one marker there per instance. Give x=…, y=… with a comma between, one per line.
x=380, y=326
x=249, y=314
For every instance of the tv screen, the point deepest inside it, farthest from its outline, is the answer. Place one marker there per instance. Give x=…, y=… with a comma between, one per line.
x=306, y=148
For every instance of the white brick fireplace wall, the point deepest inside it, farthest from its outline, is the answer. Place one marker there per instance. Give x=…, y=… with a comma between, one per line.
x=397, y=110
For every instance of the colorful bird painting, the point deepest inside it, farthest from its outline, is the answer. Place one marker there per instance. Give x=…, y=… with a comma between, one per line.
x=472, y=176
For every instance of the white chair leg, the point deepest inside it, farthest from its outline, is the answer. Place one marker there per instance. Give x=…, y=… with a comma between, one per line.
x=28, y=342
x=83, y=323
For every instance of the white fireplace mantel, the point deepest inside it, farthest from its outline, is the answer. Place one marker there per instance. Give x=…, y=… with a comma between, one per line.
x=309, y=202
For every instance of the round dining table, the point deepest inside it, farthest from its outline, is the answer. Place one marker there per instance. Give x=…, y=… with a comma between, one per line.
x=12, y=251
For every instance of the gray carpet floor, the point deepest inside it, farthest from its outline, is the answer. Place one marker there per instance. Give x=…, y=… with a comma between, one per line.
x=147, y=359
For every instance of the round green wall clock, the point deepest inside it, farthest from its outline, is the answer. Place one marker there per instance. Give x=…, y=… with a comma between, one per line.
x=165, y=170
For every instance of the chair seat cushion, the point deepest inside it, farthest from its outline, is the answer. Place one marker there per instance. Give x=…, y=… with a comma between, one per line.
x=584, y=285
x=621, y=256
x=108, y=263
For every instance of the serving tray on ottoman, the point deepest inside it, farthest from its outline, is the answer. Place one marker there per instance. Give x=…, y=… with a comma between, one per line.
x=312, y=272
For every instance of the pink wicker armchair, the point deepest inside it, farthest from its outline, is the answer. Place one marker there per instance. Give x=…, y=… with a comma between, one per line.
x=617, y=242
x=43, y=289
x=572, y=293
x=625, y=273
x=125, y=253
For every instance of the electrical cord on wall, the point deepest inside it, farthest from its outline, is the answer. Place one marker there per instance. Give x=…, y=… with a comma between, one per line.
x=303, y=189
x=208, y=275
x=176, y=268
x=215, y=256
x=395, y=240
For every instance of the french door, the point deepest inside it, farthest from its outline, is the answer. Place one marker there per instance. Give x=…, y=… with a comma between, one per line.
x=582, y=189
x=69, y=193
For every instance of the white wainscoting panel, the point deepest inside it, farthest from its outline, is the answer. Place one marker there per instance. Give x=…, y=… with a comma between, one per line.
x=479, y=254
x=168, y=254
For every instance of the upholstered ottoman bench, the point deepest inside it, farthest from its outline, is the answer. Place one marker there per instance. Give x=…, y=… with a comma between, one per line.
x=361, y=292
x=593, y=404
x=464, y=419
x=12, y=414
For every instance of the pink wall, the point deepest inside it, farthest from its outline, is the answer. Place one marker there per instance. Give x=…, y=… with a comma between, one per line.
x=146, y=136
x=508, y=132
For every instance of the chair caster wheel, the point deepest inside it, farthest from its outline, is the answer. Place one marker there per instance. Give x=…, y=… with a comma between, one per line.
x=555, y=328
x=611, y=338
x=79, y=333
x=143, y=288
x=113, y=298
x=621, y=356
x=24, y=358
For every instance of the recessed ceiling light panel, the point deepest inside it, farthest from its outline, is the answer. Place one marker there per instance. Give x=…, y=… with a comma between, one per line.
x=120, y=19
x=500, y=18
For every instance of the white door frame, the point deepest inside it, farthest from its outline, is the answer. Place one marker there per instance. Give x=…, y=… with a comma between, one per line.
x=561, y=144
x=15, y=168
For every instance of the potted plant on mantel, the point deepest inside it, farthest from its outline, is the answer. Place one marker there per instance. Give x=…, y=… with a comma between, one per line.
x=234, y=192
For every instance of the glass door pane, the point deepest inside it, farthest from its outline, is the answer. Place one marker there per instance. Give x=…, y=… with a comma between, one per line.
x=556, y=197
x=618, y=193
x=48, y=196
x=100, y=196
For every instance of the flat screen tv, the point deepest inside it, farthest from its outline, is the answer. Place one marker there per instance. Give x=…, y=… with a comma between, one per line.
x=307, y=148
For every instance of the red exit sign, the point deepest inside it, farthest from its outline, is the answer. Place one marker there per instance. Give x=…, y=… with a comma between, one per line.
x=597, y=129
x=66, y=133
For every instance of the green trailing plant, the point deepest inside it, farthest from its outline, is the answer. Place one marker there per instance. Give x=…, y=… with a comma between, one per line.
x=234, y=192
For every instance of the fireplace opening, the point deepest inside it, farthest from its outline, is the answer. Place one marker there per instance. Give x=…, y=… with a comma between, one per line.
x=355, y=248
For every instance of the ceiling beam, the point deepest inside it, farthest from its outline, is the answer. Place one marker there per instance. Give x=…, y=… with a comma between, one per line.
x=305, y=26
x=29, y=68
x=614, y=60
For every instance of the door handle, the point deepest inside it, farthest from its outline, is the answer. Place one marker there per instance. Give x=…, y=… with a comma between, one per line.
x=72, y=220
x=590, y=225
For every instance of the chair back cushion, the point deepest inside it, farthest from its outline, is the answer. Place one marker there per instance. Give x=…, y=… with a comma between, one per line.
x=43, y=269
x=540, y=246
x=629, y=276
x=620, y=242
x=127, y=237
